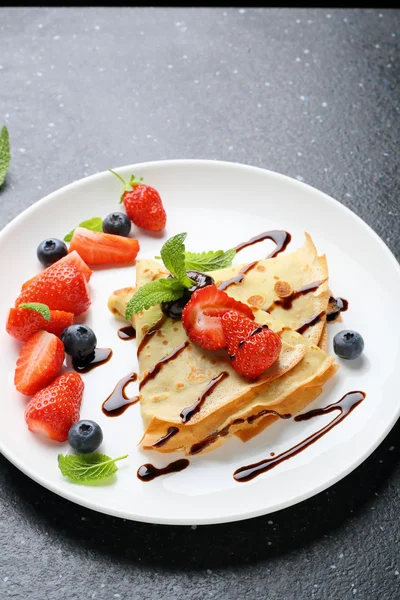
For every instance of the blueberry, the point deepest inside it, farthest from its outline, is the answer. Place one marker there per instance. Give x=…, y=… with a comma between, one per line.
x=174, y=308
x=79, y=342
x=348, y=344
x=85, y=436
x=50, y=251
x=117, y=223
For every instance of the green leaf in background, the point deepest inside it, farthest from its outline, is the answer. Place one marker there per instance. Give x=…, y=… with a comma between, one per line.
x=152, y=293
x=84, y=468
x=4, y=153
x=38, y=307
x=94, y=224
x=209, y=261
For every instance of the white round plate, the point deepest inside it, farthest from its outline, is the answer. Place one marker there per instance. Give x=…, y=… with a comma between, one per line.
x=218, y=204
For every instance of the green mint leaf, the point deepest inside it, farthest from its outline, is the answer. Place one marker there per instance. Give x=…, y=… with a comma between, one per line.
x=4, y=153
x=38, y=307
x=84, y=468
x=173, y=257
x=94, y=224
x=152, y=293
x=209, y=261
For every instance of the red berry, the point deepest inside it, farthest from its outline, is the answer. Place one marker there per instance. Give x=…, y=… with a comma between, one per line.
x=71, y=259
x=102, y=248
x=22, y=322
x=61, y=287
x=53, y=410
x=39, y=362
x=252, y=348
x=201, y=316
x=143, y=204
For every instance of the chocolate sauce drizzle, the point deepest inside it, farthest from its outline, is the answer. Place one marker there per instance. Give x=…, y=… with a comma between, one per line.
x=101, y=356
x=345, y=405
x=190, y=411
x=313, y=321
x=286, y=303
x=127, y=333
x=210, y=439
x=335, y=307
x=158, y=366
x=171, y=431
x=118, y=401
x=281, y=239
x=153, y=329
x=148, y=472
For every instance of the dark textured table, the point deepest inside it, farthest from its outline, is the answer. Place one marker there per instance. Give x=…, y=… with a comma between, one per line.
x=306, y=92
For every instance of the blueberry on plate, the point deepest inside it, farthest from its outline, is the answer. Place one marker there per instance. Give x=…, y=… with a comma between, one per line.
x=85, y=436
x=50, y=251
x=79, y=342
x=348, y=344
x=117, y=223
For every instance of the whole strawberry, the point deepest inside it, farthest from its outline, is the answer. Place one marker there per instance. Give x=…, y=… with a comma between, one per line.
x=143, y=204
x=52, y=411
x=252, y=347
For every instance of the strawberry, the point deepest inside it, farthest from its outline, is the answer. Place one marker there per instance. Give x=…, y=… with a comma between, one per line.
x=252, y=348
x=39, y=362
x=53, y=410
x=22, y=322
x=71, y=259
x=143, y=204
x=201, y=316
x=61, y=287
x=102, y=248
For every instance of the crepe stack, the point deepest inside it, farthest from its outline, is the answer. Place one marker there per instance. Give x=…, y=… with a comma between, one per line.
x=191, y=399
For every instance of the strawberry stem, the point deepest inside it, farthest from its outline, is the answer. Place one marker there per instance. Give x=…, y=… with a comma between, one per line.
x=119, y=176
x=128, y=186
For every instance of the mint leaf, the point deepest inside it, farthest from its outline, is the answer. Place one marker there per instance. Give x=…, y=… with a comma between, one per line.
x=209, y=261
x=38, y=307
x=94, y=224
x=173, y=257
x=152, y=293
x=4, y=153
x=84, y=468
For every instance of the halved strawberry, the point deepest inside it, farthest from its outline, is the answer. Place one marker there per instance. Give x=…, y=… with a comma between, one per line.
x=22, y=322
x=101, y=248
x=201, y=316
x=53, y=410
x=39, y=362
x=252, y=347
x=71, y=259
x=61, y=287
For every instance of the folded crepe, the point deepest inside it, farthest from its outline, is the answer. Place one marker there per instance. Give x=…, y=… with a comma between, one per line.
x=191, y=400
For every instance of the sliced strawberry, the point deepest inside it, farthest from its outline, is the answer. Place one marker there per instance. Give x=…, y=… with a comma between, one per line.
x=61, y=287
x=39, y=362
x=252, y=348
x=201, y=316
x=22, y=322
x=101, y=248
x=53, y=410
x=71, y=259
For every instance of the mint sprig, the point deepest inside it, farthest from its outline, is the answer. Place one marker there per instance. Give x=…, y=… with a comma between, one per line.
x=152, y=293
x=94, y=224
x=4, y=153
x=38, y=307
x=177, y=261
x=173, y=257
x=85, y=468
x=209, y=261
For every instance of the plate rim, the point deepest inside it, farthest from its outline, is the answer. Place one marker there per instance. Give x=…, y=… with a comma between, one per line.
x=69, y=494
